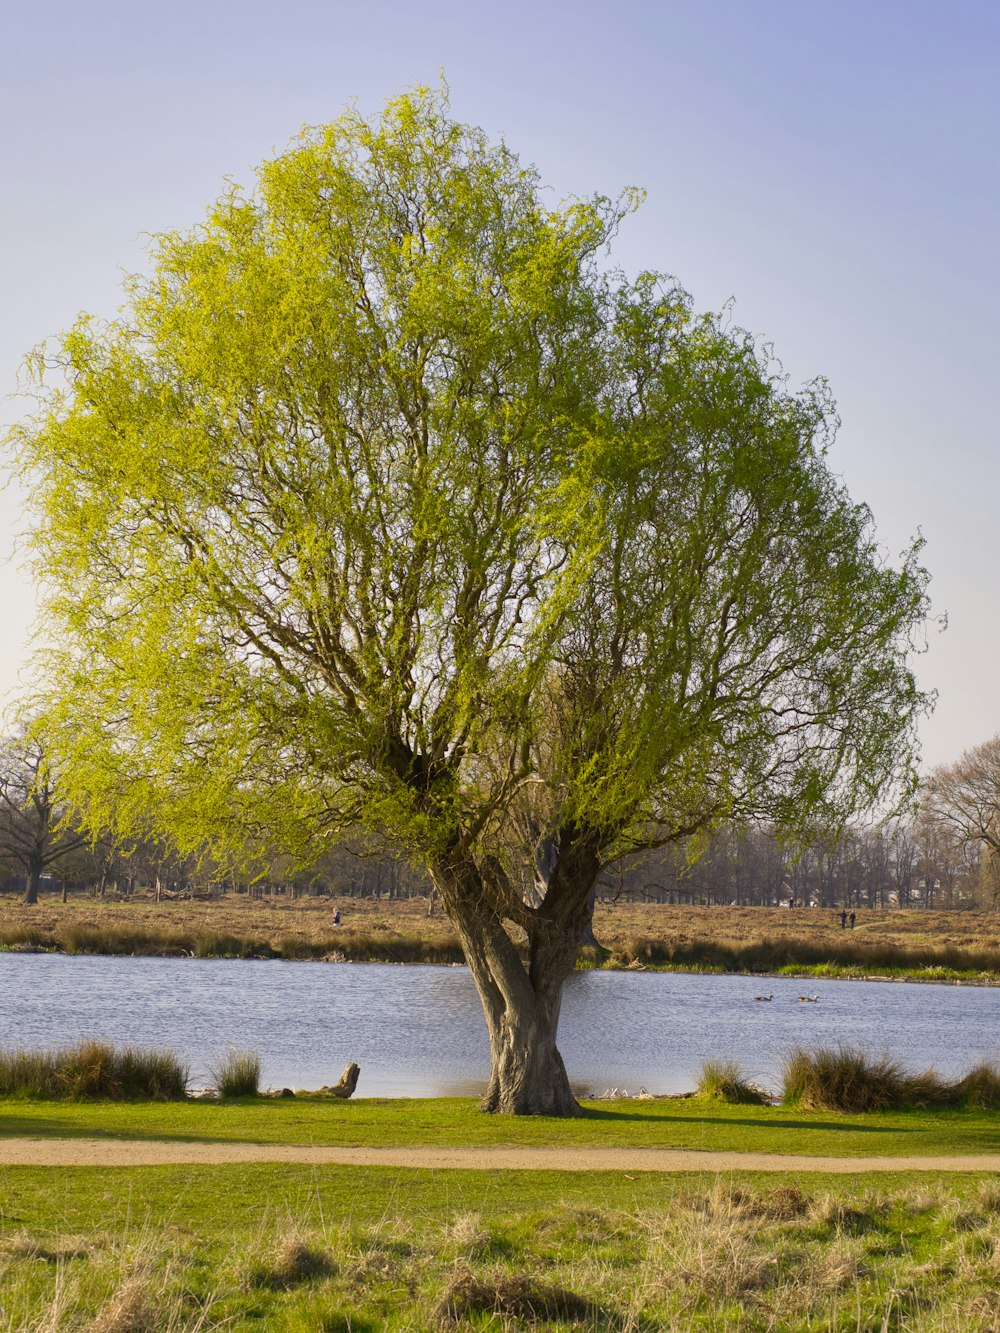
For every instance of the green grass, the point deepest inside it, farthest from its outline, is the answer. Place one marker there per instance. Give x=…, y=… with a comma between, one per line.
x=693, y=1123
x=297, y=1248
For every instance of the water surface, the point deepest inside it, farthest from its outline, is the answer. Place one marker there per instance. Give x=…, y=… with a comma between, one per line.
x=420, y=1031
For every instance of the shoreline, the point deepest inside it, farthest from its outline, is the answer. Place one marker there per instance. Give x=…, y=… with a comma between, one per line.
x=808, y=972
x=899, y=945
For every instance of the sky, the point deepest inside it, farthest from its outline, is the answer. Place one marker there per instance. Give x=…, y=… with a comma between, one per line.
x=833, y=169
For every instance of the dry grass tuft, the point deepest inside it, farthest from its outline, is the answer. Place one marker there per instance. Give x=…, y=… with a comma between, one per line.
x=581, y=1225
x=93, y=1069
x=518, y=1296
x=783, y=1204
x=294, y=1261
x=467, y=1236
x=981, y=1087
x=22, y=1245
x=721, y=1260
x=132, y=1308
x=848, y=1079
x=842, y=1264
x=829, y=1211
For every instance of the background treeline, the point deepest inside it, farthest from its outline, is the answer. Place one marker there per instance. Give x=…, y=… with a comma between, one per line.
x=940, y=858
x=895, y=865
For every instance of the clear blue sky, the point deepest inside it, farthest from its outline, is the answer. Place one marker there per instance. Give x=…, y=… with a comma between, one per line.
x=832, y=167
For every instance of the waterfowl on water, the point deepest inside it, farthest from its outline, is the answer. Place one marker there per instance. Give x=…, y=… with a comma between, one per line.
x=763, y=997
x=809, y=999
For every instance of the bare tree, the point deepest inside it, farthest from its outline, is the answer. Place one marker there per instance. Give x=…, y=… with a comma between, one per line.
x=964, y=799
x=34, y=831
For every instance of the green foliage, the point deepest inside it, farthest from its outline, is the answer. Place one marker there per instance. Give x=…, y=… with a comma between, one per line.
x=386, y=503
x=383, y=498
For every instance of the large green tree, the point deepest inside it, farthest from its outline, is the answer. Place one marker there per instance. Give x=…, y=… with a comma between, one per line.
x=386, y=501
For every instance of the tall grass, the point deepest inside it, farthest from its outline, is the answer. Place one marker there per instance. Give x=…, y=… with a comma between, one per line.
x=849, y=1079
x=93, y=1069
x=725, y=1081
x=981, y=1087
x=237, y=1074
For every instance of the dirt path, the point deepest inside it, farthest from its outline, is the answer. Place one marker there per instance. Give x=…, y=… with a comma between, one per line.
x=121, y=1152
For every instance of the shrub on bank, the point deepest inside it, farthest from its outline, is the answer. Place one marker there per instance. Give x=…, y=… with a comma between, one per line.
x=851, y=1080
x=93, y=1069
x=724, y=1081
x=237, y=1074
x=981, y=1087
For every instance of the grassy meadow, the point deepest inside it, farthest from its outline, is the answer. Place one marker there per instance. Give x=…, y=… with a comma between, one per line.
x=253, y=1247
x=805, y=942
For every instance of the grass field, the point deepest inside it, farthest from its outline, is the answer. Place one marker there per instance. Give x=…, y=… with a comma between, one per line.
x=668, y=1123
x=331, y=1248
x=929, y=945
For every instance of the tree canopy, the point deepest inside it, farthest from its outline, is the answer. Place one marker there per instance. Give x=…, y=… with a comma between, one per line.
x=387, y=501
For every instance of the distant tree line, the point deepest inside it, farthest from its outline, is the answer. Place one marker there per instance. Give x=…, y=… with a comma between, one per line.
x=946, y=856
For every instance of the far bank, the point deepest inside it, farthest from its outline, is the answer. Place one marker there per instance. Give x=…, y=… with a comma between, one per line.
x=919, y=945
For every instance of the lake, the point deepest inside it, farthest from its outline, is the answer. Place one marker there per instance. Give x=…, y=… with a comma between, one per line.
x=419, y=1031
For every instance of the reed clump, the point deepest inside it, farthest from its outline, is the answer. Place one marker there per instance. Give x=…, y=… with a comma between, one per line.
x=93, y=1069
x=725, y=1081
x=852, y=1080
x=981, y=1087
x=237, y=1074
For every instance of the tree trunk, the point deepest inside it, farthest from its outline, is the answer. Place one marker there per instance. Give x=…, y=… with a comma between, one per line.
x=34, y=869
x=521, y=1004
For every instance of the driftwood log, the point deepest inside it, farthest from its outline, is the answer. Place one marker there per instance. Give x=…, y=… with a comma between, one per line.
x=348, y=1082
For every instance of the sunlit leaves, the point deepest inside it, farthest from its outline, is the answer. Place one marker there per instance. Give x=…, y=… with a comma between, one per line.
x=385, y=501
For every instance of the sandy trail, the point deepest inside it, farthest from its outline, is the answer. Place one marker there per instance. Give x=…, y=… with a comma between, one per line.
x=122, y=1152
